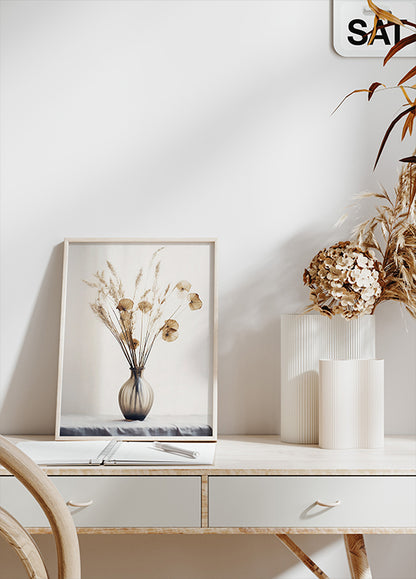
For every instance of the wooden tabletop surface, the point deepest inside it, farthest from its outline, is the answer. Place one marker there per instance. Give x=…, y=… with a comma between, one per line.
x=267, y=455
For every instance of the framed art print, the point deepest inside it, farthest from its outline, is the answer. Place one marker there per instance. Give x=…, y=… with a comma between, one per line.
x=138, y=356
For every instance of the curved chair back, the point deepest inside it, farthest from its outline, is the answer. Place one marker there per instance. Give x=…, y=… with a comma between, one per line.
x=54, y=507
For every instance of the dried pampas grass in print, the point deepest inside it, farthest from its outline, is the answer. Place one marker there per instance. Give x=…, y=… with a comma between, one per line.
x=137, y=322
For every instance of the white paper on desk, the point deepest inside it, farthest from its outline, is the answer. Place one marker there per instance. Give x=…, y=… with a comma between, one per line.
x=64, y=453
x=131, y=452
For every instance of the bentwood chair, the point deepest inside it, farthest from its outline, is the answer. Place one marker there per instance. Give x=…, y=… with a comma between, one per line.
x=54, y=507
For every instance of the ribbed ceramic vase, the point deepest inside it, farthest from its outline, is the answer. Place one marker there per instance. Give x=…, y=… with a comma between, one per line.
x=306, y=339
x=351, y=403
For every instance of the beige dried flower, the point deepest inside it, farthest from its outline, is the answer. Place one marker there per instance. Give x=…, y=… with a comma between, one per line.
x=170, y=330
x=183, y=286
x=195, y=302
x=344, y=279
x=125, y=304
x=145, y=307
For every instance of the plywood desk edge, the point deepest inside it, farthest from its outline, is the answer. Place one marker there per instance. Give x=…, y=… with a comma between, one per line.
x=232, y=530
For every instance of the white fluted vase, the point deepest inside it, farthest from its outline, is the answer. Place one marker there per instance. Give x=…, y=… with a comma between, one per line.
x=306, y=339
x=351, y=404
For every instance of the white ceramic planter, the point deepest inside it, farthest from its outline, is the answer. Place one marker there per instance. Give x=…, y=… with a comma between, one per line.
x=306, y=339
x=351, y=404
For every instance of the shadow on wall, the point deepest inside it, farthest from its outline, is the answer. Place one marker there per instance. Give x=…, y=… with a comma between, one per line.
x=249, y=341
x=30, y=403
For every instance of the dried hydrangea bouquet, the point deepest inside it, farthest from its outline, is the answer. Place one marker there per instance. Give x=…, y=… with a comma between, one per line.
x=348, y=279
x=344, y=279
x=138, y=322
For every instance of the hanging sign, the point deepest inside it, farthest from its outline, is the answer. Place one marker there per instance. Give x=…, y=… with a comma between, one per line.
x=353, y=20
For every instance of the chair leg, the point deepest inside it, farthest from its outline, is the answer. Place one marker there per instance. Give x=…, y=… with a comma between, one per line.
x=357, y=557
x=299, y=554
x=23, y=544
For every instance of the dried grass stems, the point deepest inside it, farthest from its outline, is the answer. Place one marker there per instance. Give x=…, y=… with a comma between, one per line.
x=348, y=279
x=135, y=323
x=392, y=234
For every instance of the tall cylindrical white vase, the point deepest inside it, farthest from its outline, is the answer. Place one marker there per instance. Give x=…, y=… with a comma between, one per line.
x=305, y=339
x=351, y=404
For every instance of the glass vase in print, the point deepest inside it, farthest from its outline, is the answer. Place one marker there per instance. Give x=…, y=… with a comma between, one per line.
x=136, y=396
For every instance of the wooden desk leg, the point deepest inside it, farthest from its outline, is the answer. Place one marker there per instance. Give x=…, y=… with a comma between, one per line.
x=204, y=501
x=357, y=557
x=299, y=554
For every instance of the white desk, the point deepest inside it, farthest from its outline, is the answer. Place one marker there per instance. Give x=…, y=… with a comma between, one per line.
x=257, y=485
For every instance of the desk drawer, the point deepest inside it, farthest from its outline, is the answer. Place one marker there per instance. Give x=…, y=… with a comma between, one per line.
x=118, y=501
x=290, y=501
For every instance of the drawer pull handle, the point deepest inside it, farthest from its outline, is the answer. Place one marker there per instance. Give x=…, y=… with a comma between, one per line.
x=322, y=504
x=79, y=505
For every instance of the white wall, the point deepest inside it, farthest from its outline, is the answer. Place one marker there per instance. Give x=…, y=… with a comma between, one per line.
x=190, y=119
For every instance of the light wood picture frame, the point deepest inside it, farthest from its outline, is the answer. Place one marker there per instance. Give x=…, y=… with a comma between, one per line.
x=138, y=340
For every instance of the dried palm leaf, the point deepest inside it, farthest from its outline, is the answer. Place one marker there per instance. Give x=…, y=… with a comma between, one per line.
x=409, y=113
